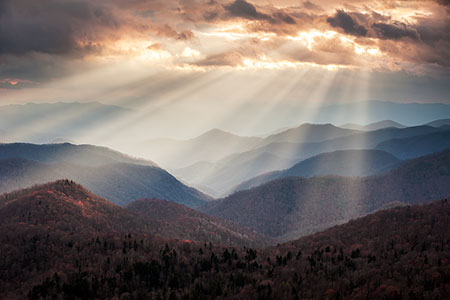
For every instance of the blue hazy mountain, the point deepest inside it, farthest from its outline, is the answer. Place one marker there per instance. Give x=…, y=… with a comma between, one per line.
x=439, y=123
x=110, y=174
x=373, y=126
x=416, y=146
x=409, y=114
x=342, y=163
x=225, y=174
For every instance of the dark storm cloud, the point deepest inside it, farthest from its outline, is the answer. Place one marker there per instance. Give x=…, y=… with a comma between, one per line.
x=311, y=6
x=43, y=38
x=349, y=22
x=363, y=25
x=72, y=26
x=425, y=40
x=51, y=26
x=243, y=9
x=444, y=2
x=46, y=39
x=394, y=31
x=246, y=10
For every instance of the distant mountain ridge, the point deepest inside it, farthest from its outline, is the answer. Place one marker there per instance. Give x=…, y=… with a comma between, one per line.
x=416, y=146
x=290, y=207
x=65, y=152
x=307, y=133
x=225, y=174
x=439, y=123
x=342, y=163
x=209, y=146
x=110, y=174
x=221, y=176
x=373, y=126
x=409, y=114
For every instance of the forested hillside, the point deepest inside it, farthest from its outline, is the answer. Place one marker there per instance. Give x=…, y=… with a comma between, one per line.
x=401, y=253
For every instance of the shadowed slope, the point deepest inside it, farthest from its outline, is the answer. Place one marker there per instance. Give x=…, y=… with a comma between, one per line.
x=416, y=146
x=120, y=183
x=343, y=163
x=290, y=207
x=67, y=206
x=246, y=165
x=87, y=155
x=194, y=225
x=113, y=175
x=439, y=123
x=378, y=256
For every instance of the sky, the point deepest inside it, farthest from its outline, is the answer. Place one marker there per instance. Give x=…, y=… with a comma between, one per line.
x=214, y=59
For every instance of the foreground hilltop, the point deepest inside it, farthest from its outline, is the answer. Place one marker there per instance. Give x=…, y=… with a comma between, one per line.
x=401, y=253
x=185, y=223
x=65, y=207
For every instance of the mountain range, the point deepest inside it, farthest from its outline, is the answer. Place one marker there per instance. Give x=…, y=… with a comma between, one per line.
x=64, y=205
x=416, y=146
x=44, y=122
x=210, y=146
x=59, y=240
x=307, y=133
x=343, y=163
x=409, y=114
x=290, y=207
x=119, y=178
x=373, y=126
x=221, y=177
x=88, y=155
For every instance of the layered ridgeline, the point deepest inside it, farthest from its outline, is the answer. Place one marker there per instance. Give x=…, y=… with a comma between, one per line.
x=88, y=155
x=290, y=207
x=307, y=133
x=73, y=252
x=439, y=123
x=67, y=206
x=216, y=144
x=343, y=163
x=210, y=146
x=110, y=174
x=221, y=177
x=186, y=223
x=361, y=162
x=416, y=146
x=373, y=126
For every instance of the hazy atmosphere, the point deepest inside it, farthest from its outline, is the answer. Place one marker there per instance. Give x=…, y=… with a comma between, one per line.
x=224, y=149
x=184, y=67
